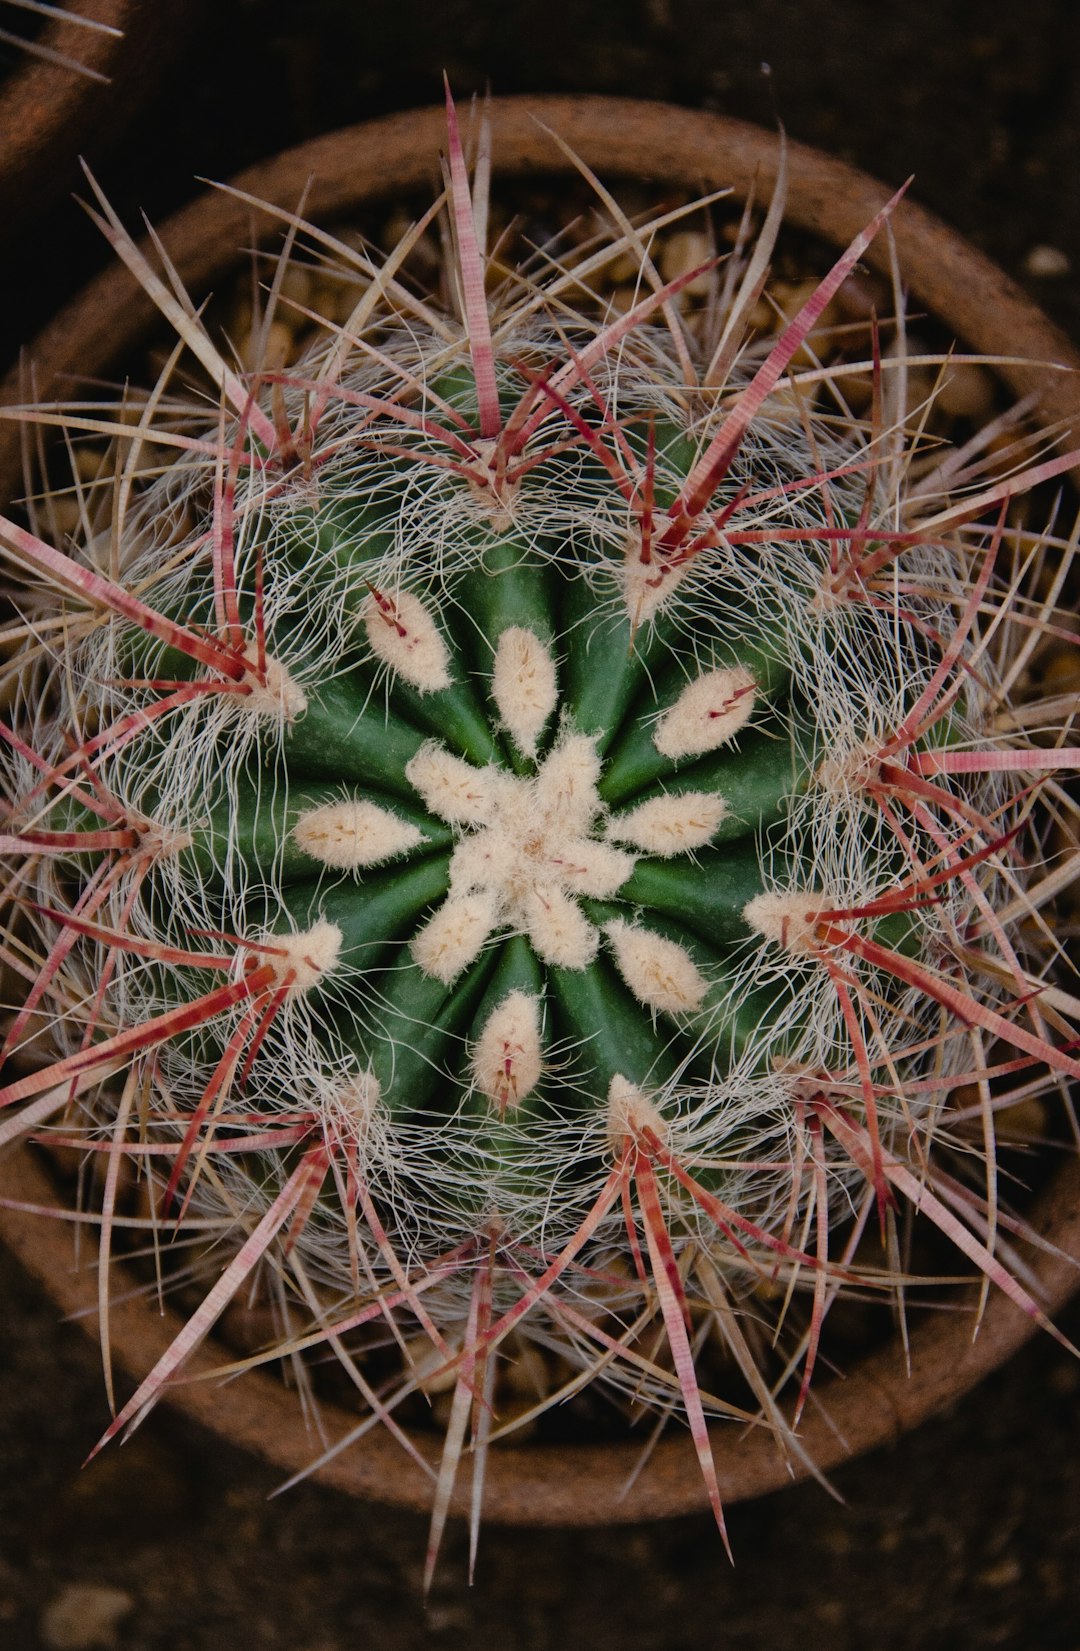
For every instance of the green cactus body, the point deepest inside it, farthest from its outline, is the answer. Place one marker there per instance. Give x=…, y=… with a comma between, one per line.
x=533, y=796
x=505, y=806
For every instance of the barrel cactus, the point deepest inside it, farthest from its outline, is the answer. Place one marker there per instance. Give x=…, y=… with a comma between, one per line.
x=514, y=830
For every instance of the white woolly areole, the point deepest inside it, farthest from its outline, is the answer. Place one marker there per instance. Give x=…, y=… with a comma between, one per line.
x=354, y=833
x=529, y=858
x=659, y=972
x=709, y=712
x=566, y=784
x=481, y=860
x=277, y=695
x=647, y=585
x=506, y=1061
x=789, y=918
x=523, y=686
x=359, y=1100
x=404, y=636
x=454, y=790
x=560, y=932
x=589, y=867
x=452, y=939
x=842, y=773
x=305, y=956
x=670, y=825
x=629, y=1113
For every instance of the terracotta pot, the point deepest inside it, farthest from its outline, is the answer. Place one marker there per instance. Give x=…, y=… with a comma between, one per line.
x=49, y=112
x=679, y=150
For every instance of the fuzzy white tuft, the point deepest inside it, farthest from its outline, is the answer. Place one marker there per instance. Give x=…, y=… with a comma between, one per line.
x=647, y=585
x=359, y=1100
x=451, y=788
x=788, y=919
x=506, y=1059
x=452, y=939
x=277, y=694
x=709, y=712
x=532, y=853
x=588, y=867
x=300, y=960
x=523, y=686
x=674, y=824
x=350, y=834
x=560, y=932
x=483, y=859
x=566, y=785
x=403, y=634
x=629, y=1113
x=660, y=973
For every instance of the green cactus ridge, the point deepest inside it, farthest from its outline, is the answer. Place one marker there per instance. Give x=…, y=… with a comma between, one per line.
x=500, y=809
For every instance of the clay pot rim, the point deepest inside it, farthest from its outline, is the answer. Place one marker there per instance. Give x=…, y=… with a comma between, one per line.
x=41, y=101
x=581, y=1484
x=93, y=48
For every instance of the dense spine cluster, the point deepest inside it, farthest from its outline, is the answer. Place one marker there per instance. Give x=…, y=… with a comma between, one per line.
x=517, y=817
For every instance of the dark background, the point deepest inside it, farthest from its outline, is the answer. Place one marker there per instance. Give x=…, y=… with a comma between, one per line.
x=966, y=1534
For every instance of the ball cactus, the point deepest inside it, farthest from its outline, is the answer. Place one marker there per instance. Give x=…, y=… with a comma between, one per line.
x=517, y=828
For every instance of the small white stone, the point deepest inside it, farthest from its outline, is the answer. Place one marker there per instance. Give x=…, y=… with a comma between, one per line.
x=506, y=1060
x=523, y=686
x=349, y=834
x=1047, y=263
x=685, y=249
x=454, y=936
x=85, y=1616
x=660, y=973
x=670, y=825
x=403, y=634
x=707, y=714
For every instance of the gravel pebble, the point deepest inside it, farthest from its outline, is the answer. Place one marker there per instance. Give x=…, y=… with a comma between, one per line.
x=85, y=1617
x=1047, y=262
